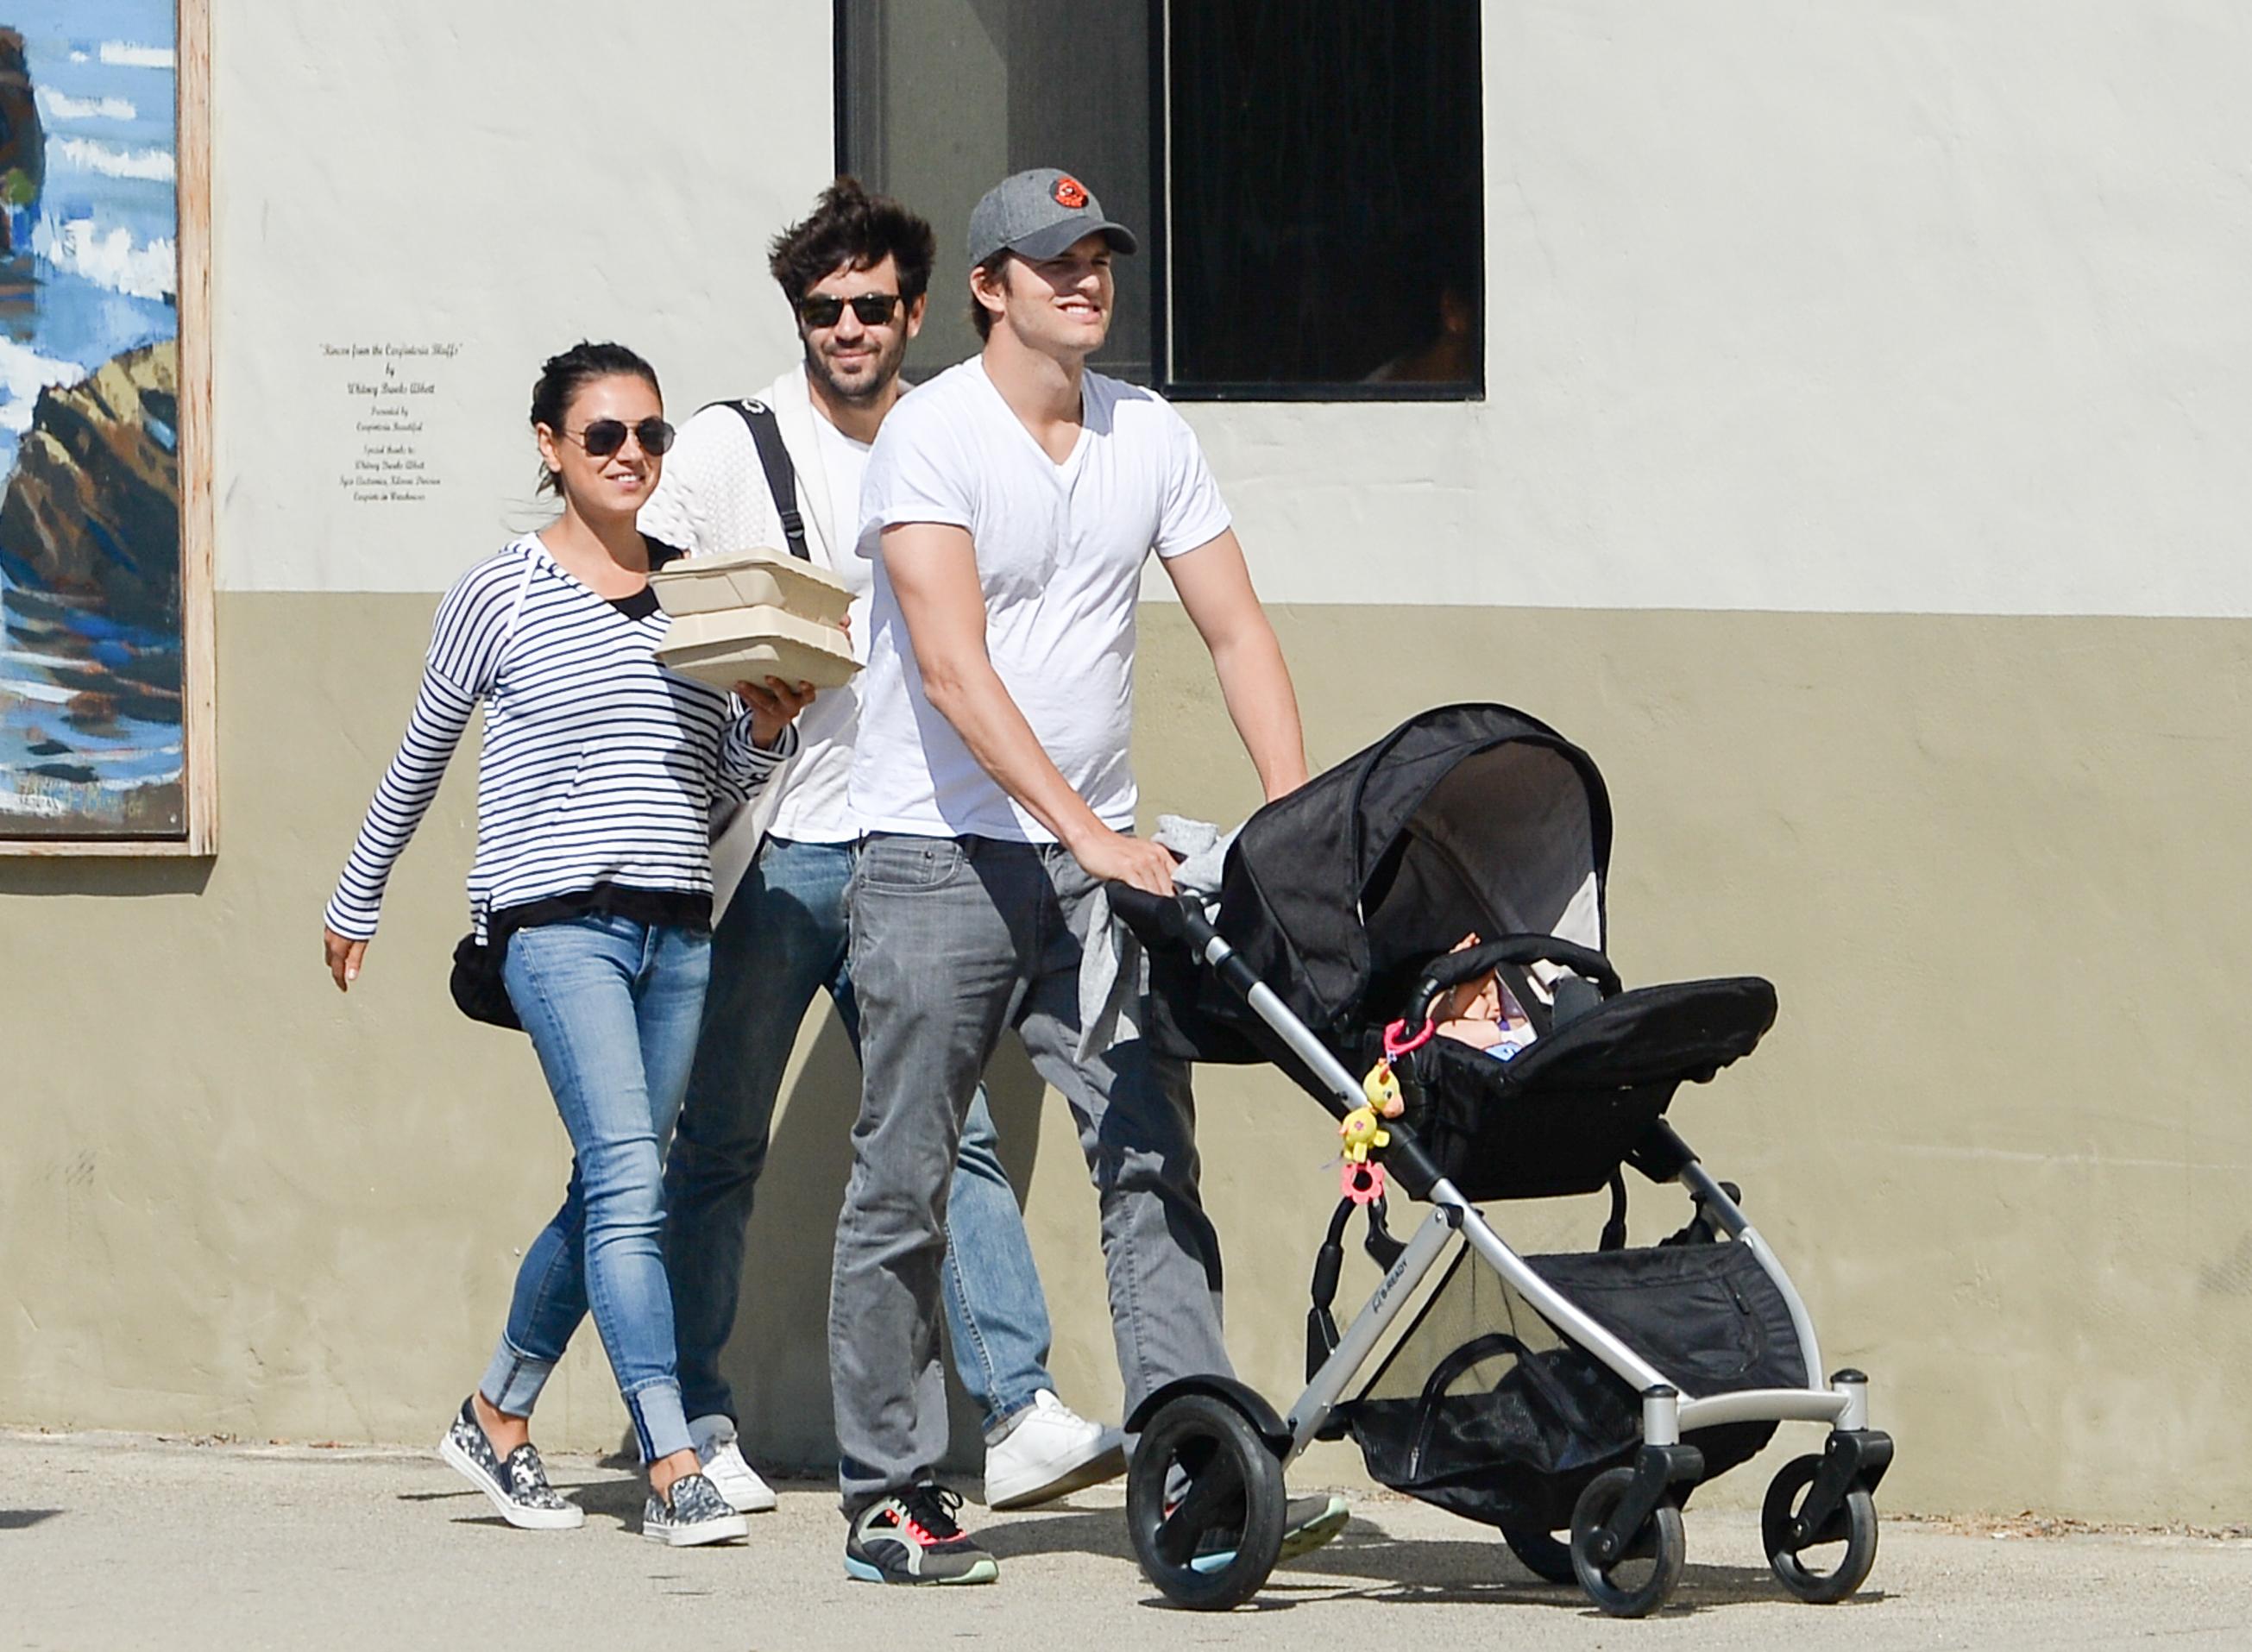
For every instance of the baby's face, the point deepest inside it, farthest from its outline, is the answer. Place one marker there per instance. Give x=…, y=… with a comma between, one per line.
x=1478, y=1000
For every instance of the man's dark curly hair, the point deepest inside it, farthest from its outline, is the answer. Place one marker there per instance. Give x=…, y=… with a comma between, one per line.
x=850, y=228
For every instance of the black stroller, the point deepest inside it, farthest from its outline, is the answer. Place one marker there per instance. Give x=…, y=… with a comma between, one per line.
x=1585, y=1394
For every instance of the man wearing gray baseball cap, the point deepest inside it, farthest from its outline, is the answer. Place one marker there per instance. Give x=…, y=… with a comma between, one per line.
x=1009, y=508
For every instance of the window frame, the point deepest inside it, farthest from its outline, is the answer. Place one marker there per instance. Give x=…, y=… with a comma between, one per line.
x=1157, y=244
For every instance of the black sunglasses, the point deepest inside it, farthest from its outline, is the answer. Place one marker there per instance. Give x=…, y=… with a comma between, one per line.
x=873, y=309
x=604, y=437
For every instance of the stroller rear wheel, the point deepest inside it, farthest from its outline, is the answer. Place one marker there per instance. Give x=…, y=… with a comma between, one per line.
x=1635, y=1582
x=1838, y=1572
x=1203, y=1503
x=1540, y=1554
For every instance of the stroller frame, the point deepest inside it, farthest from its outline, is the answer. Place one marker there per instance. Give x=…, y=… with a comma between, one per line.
x=1637, y=1515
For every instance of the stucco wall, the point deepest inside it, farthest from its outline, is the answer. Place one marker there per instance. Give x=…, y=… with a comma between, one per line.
x=1853, y=482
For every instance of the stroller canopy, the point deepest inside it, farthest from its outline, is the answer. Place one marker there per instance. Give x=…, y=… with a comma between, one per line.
x=1466, y=818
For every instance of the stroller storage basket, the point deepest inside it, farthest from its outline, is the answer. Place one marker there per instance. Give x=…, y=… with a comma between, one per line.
x=1484, y=1409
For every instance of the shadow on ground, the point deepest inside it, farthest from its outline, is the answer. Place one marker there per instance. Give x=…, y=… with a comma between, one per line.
x=618, y=1498
x=21, y=1519
x=1366, y=1563
x=1363, y=1564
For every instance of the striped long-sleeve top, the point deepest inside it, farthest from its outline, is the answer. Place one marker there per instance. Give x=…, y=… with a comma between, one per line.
x=600, y=768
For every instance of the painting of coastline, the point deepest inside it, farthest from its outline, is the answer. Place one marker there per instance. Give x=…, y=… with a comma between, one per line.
x=91, y=631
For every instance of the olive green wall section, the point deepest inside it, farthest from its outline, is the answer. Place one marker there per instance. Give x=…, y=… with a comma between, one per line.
x=1994, y=866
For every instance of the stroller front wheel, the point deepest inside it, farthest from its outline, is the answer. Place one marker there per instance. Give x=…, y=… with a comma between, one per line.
x=1636, y=1581
x=1205, y=1504
x=1854, y=1524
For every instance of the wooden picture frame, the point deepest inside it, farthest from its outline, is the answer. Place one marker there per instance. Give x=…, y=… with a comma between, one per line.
x=68, y=685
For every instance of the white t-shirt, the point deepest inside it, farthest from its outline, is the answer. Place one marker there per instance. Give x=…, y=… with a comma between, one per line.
x=815, y=808
x=713, y=500
x=1060, y=554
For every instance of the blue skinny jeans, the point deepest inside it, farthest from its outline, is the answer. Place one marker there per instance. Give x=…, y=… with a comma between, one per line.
x=612, y=1007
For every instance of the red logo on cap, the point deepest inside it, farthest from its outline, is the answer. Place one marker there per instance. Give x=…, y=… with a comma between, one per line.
x=1070, y=193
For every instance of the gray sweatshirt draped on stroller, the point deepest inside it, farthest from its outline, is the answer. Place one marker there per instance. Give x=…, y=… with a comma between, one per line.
x=1585, y=1394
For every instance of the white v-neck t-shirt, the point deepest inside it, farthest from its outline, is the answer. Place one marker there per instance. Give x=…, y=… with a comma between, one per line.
x=1059, y=551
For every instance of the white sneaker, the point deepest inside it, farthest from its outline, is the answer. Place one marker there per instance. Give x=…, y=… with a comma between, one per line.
x=724, y=1466
x=1047, y=1450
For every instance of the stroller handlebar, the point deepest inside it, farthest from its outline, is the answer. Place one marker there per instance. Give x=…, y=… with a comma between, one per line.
x=1159, y=917
x=1453, y=969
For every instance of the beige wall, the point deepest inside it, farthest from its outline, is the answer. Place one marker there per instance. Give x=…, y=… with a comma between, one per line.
x=1825, y=348
x=1992, y=864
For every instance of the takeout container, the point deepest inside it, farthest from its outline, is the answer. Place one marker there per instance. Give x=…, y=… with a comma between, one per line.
x=750, y=615
x=727, y=646
x=751, y=580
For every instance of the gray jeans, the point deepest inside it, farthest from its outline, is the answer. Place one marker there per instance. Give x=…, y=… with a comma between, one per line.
x=954, y=939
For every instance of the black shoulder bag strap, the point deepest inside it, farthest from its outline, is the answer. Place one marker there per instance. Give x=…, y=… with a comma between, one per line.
x=782, y=476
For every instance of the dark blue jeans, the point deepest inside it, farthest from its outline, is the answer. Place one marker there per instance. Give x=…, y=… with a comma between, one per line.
x=782, y=940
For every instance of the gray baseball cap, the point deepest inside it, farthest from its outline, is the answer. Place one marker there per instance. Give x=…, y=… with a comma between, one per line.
x=1038, y=214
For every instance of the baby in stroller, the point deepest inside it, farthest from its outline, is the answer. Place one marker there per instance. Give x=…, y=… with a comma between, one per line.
x=1482, y=1013
x=1574, y=1401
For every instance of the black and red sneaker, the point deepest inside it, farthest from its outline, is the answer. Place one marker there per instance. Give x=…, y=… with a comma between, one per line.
x=911, y=1538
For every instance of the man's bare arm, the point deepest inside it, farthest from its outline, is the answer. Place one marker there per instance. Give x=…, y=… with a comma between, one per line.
x=933, y=570
x=1215, y=588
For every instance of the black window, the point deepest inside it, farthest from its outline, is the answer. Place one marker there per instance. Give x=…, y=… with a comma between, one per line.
x=1306, y=176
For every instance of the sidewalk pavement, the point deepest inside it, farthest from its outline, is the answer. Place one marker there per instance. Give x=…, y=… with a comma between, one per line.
x=115, y=1542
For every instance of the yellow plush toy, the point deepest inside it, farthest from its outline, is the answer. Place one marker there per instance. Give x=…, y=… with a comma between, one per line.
x=1362, y=1131
x=1381, y=1086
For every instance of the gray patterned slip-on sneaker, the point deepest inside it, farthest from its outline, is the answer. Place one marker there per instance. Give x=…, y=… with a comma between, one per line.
x=691, y=1512
x=518, y=1487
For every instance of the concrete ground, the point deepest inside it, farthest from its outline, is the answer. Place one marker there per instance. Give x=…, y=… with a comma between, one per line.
x=116, y=1543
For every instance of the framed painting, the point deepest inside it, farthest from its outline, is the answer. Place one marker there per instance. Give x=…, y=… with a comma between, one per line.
x=106, y=657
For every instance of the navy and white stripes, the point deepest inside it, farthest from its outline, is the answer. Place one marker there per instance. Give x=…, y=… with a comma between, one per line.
x=599, y=767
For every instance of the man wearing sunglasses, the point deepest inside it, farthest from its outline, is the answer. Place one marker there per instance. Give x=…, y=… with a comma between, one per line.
x=1010, y=508
x=855, y=273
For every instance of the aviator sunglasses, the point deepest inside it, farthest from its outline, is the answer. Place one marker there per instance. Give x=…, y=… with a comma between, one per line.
x=604, y=437
x=873, y=309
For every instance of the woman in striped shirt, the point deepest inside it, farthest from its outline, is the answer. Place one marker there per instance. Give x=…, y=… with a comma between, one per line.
x=596, y=782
